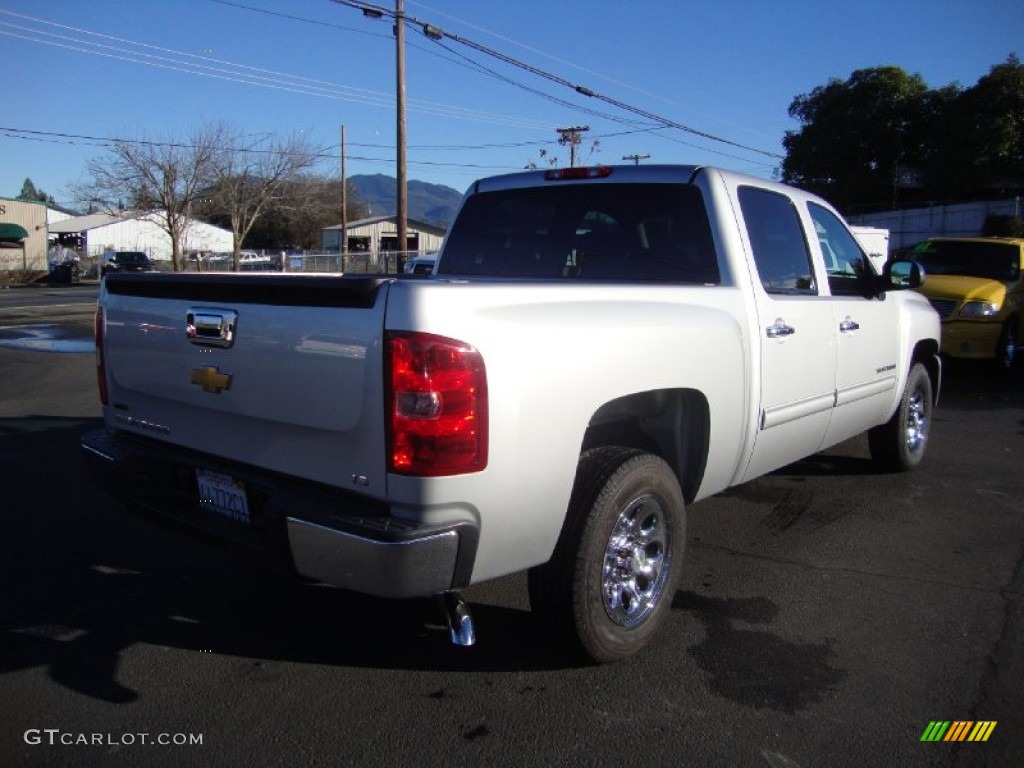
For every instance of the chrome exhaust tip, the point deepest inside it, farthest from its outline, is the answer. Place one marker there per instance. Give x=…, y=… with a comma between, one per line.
x=460, y=619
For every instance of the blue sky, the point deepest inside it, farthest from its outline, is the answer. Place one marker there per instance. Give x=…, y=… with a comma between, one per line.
x=728, y=68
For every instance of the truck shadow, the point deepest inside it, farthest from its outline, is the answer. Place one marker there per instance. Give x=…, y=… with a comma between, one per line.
x=260, y=624
x=95, y=581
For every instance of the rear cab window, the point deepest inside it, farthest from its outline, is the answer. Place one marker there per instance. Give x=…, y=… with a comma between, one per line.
x=777, y=240
x=605, y=232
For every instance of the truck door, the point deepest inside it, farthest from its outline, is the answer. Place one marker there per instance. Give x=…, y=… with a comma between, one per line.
x=866, y=327
x=795, y=330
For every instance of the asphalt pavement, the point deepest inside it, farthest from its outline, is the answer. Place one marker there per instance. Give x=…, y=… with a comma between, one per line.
x=827, y=616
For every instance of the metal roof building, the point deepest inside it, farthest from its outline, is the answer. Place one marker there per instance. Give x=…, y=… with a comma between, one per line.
x=22, y=235
x=380, y=234
x=95, y=233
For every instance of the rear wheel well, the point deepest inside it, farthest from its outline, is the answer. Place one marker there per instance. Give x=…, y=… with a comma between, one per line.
x=671, y=423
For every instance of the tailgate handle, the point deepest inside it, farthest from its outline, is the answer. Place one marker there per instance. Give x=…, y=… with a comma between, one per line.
x=211, y=327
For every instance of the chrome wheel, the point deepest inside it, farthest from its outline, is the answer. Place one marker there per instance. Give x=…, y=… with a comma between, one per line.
x=917, y=421
x=610, y=582
x=636, y=562
x=900, y=443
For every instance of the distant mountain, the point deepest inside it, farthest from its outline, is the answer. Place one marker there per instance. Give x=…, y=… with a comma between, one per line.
x=431, y=203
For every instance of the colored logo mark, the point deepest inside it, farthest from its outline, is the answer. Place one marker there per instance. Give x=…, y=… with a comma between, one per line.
x=958, y=730
x=211, y=379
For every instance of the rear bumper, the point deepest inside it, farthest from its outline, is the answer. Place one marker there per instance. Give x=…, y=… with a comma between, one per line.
x=317, y=532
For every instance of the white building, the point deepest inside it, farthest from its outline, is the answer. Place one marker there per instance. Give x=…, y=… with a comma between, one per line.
x=53, y=215
x=95, y=233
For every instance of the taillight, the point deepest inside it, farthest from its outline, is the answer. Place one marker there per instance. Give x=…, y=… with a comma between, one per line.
x=101, y=372
x=437, y=405
x=577, y=173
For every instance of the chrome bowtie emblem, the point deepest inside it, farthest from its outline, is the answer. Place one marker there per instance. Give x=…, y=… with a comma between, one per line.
x=211, y=379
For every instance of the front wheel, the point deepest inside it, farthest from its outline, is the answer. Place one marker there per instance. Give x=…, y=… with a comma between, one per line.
x=899, y=444
x=617, y=564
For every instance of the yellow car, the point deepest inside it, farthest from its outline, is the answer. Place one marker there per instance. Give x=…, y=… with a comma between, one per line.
x=976, y=286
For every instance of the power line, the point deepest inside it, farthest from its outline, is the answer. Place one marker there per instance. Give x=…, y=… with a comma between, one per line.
x=574, y=65
x=535, y=91
x=300, y=18
x=436, y=36
x=537, y=51
x=463, y=61
x=210, y=67
x=105, y=142
x=436, y=33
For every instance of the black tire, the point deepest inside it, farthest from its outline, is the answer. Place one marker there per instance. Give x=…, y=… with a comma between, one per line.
x=1006, y=349
x=617, y=563
x=899, y=444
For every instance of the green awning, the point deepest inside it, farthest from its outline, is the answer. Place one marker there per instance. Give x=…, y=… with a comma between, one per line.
x=12, y=232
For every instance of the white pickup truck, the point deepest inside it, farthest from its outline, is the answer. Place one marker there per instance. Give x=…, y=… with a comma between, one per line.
x=596, y=349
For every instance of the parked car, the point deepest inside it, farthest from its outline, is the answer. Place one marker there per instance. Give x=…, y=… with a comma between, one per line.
x=248, y=261
x=127, y=261
x=252, y=261
x=420, y=265
x=976, y=286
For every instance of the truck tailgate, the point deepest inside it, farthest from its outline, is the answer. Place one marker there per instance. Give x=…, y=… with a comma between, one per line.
x=278, y=372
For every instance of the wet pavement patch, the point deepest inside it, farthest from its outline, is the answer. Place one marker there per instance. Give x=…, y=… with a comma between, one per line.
x=755, y=668
x=44, y=337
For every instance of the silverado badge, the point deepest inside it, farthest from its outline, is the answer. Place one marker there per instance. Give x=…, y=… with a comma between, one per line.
x=211, y=379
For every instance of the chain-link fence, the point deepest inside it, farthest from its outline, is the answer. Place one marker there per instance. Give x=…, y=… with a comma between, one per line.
x=356, y=263
x=66, y=263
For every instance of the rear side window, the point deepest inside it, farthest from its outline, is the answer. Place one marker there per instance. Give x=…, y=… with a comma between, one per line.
x=777, y=240
x=614, y=232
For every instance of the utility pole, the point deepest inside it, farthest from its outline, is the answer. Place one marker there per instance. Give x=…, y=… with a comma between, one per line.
x=636, y=158
x=571, y=136
x=403, y=206
x=343, y=245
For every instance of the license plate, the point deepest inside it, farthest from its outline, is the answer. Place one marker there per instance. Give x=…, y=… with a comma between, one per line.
x=222, y=495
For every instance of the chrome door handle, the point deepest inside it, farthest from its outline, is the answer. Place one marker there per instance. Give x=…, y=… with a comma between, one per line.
x=779, y=330
x=849, y=325
x=210, y=327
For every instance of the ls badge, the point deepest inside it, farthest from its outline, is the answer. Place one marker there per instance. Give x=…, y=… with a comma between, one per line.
x=211, y=379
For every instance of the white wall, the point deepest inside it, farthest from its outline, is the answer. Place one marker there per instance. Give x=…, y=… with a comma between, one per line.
x=911, y=226
x=146, y=234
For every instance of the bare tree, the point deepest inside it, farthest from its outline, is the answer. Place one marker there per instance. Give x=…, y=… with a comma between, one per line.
x=164, y=175
x=304, y=206
x=253, y=177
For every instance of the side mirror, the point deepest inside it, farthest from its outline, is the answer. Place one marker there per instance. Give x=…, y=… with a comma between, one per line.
x=901, y=276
